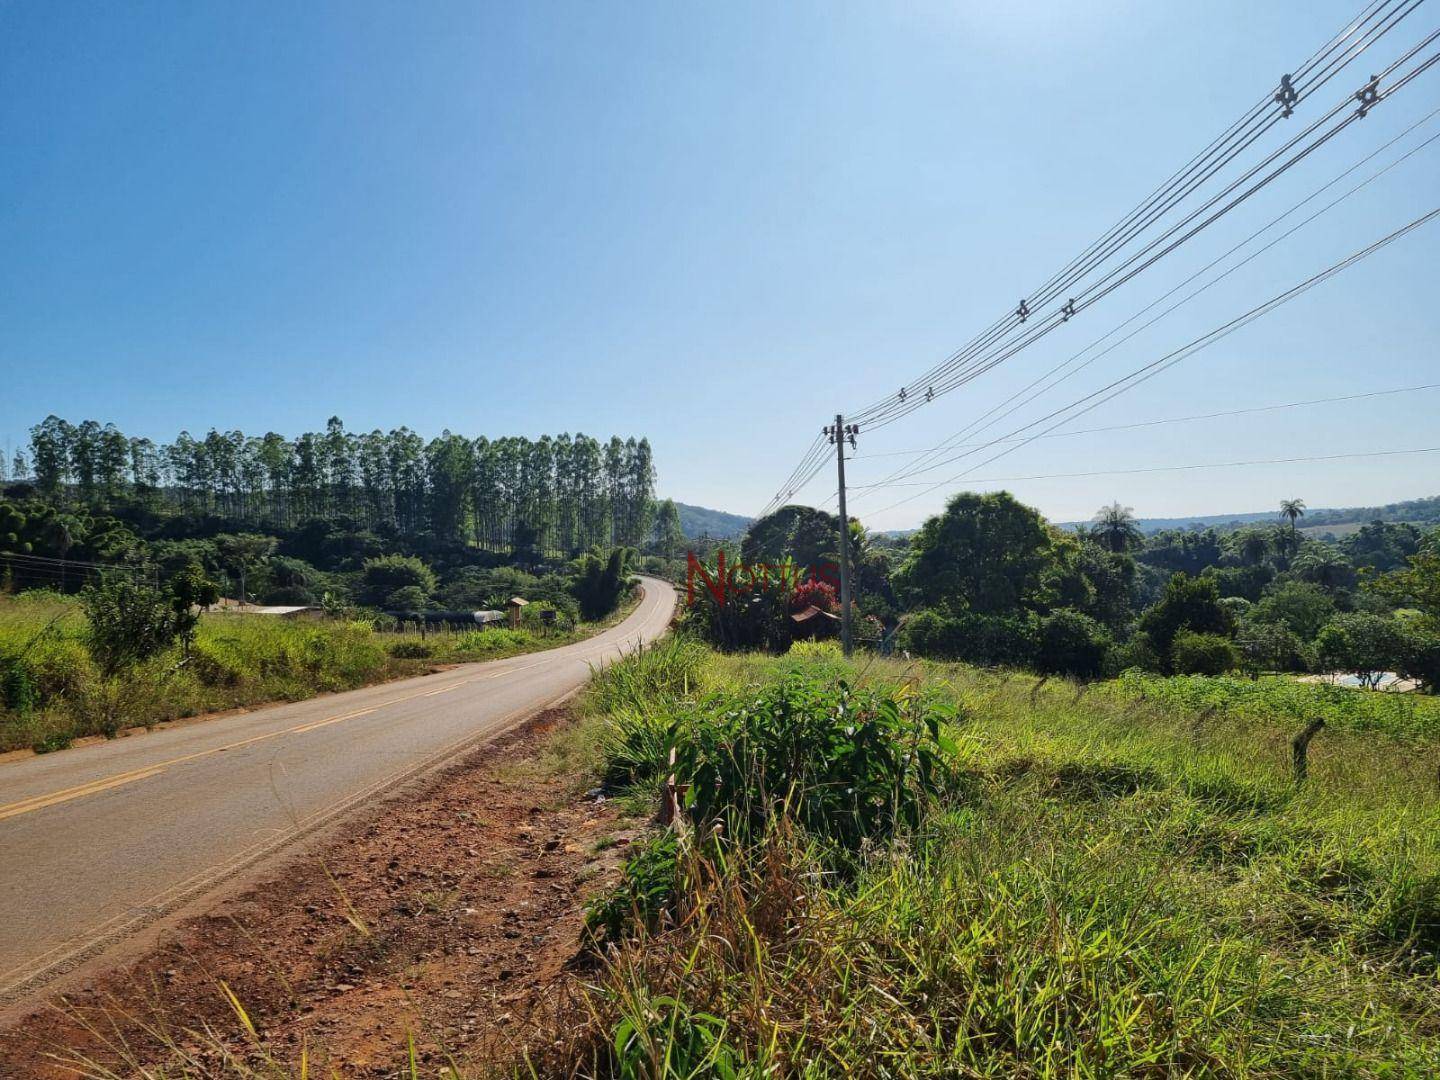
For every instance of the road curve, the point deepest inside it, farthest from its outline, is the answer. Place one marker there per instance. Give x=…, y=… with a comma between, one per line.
x=99, y=841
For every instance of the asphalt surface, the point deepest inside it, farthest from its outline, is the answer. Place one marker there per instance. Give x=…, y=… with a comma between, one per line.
x=99, y=841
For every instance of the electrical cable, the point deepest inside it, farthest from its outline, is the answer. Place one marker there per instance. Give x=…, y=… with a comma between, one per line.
x=1169, y=360
x=949, y=375
x=990, y=417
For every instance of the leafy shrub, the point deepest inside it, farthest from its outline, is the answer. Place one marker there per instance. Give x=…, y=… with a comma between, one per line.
x=735, y=613
x=18, y=690
x=845, y=764
x=1135, y=654
x=1419, y=657
x=1070, y=643
x=408, y=598
x=1270, y=646
x=130, y=622
x=600, y=584
x=1203, y=654
x=988, y=640
x=1361, y=643
x=1188, y=604
x=411, y=650
x=52, y=741
x=1301, y=606
x=661, y=1035
x=380, y=578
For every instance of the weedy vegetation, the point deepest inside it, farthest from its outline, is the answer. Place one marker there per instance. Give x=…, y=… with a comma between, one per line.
x=56, y=685
x=936, y=870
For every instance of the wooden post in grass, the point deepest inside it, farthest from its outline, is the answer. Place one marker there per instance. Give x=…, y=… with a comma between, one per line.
x=1300, y=746
x=670, y=815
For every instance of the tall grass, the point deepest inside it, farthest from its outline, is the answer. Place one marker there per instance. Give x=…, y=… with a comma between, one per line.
x=51, y=692
x=1274, y=697
x=640, y=698
x=1110, y=885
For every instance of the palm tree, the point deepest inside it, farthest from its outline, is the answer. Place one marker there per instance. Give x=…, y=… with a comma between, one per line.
x=1115, y=527
x=1290, y=509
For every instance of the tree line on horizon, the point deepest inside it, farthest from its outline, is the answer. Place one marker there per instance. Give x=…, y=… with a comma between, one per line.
x=990, y=581
x=563, y=493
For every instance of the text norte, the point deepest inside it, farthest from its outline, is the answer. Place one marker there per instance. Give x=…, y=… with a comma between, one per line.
x=743, y=578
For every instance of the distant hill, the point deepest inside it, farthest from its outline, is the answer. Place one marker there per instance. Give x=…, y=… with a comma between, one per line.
x=701, y=521
x=1315, y=522
x=697, y=521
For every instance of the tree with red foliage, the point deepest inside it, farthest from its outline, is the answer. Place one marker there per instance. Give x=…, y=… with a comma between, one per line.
x=813, y=591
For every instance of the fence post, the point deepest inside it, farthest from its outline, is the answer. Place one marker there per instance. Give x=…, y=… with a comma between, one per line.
x=1300, y=746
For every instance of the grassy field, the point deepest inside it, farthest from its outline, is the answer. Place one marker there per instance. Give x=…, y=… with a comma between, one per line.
x=1282, y=699
x=237, y=660
x=930, y=870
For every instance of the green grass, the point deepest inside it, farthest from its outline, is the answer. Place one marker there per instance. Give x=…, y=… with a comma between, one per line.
x=1281, y=698
x=1113, y=884
x=237, y=660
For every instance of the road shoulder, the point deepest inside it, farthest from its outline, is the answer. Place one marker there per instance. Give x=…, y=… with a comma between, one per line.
x=449, y=915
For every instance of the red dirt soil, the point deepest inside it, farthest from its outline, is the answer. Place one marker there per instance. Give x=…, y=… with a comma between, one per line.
x=452, y=915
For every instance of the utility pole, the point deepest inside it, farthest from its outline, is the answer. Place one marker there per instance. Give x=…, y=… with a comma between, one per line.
x=838, y=435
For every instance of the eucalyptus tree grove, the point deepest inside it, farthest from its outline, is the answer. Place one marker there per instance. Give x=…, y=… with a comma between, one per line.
x=555, y=493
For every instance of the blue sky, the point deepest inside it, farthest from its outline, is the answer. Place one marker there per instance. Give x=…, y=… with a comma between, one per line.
x=712, y=224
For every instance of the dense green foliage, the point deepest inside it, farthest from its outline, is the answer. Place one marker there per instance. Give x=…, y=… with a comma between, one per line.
x=332, y=520
x=382, y=577
x=989, y=581
x=601, y=582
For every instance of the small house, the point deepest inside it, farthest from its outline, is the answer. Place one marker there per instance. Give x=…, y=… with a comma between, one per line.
x=814, y=623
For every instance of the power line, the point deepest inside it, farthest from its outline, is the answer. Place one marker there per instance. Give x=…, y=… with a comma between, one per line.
x=1203, y=465
x=1169, y=360
x=813, y=459
x=1010, y=406
x=70, y=562
x=1132, y=266
x=1322, y=66
x=1167, y=420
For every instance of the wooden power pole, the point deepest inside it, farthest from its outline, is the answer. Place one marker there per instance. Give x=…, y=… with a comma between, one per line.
x=839, y=434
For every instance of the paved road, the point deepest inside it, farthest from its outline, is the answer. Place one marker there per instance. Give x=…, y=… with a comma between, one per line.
x=98, y=841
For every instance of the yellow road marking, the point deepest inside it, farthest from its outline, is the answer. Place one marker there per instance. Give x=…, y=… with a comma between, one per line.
x=40, y=963
x=39, y=802
x=332, y=720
